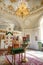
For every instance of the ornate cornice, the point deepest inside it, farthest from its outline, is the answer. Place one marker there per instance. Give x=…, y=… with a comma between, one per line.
x=12, y=1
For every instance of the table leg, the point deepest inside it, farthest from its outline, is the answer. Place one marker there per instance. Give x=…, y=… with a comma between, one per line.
x=19, y=57
x=14, y=59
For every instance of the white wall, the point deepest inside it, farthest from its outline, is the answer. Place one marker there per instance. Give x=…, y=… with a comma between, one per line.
x=36, y=33
x=2, y=44
x=41, y=28
x=33, y=33
x=30, y=32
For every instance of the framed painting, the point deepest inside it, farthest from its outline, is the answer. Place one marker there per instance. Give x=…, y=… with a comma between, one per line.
x=36, y=38
x=28, y=37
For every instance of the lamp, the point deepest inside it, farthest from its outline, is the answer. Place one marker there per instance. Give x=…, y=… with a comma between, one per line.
x=22, y=11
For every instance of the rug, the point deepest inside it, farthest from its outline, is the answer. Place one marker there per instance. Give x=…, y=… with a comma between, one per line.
x=31, y=60
x=37, y=54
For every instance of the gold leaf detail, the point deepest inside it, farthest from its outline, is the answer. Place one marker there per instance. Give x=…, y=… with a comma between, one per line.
x=10, y=7
x=0, y=0
x=13, y=1
x=22, y=10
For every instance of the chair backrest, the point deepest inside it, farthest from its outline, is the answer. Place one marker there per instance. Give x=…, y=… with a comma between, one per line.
x=16, y=45
x=9, y=49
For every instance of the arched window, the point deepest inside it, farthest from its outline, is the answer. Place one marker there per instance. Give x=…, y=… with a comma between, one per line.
x=41, y=28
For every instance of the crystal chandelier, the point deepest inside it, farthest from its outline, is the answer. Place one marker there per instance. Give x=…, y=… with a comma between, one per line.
x=22, y=11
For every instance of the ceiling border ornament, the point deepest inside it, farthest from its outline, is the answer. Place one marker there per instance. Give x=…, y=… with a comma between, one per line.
x=12, y=1
x=1, y=0
x=22, y=10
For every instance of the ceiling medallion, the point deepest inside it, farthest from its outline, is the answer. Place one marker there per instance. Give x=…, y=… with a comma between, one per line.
x=22, y=11
x=10, y=7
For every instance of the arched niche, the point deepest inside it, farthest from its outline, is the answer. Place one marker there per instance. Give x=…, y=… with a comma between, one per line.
x=41, y=28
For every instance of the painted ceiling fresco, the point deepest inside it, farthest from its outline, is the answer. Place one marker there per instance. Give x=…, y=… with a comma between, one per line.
x=14, y=6
x=20, y=13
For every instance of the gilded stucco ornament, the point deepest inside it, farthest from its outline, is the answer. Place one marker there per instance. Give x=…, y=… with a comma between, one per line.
x=1, y=0
x=12, y=1
x=10, y=7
